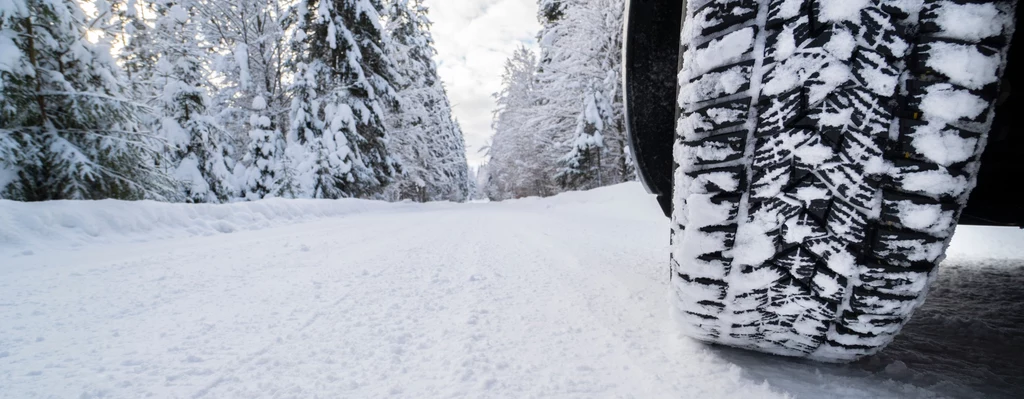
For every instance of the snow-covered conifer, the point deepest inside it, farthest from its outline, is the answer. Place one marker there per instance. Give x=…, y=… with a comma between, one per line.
x=576, y=115
x=349, y=84
x=137, y=54
x=251, y=50
x=314, y=172
x=67, y=130
x=517, y=166
x=198, y=154
x=596, y=153
x=429, y=142
x=261, y=176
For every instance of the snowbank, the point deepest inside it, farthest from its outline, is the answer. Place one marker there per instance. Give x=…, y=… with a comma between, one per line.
x=986, y=243
x=26, y=226
x=31, y=226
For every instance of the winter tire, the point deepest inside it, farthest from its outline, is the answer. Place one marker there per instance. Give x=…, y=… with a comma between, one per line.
x=824, y=152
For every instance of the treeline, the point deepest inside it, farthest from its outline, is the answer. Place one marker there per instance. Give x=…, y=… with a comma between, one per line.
x=224, y=100
x=559, y=119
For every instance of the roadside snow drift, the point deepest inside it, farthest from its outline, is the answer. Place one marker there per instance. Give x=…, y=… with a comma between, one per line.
x=74, y=223
x=557, y=297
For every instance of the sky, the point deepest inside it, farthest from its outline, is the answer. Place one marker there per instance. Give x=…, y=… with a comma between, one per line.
x=473, y=38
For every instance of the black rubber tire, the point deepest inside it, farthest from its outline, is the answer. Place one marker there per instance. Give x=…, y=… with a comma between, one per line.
x=816, y=189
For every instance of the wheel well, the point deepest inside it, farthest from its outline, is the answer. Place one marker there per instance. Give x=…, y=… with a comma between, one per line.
x=650, y=65
x=993, y=202
x=651, y=62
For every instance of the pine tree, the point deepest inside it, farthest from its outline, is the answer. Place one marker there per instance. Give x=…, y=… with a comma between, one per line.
x=596, y=153
x=517, y=167
x=550, y=12
x=67, y=131
x=410, y=122
x=480, y=182
x=429, y=141
x=250, y=38
x=581, y=168
x=261, y=176
x=317, y=164
x=349, y=84
x=199, y=156
x=577, y=116
x=137, y=55
x=452, y=167
x=555, y=96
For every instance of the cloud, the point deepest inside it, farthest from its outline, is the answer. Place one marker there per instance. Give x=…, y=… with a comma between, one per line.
x=473, y=39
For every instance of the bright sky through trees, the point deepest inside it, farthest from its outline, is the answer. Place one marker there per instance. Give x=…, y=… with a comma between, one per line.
x=473, y=39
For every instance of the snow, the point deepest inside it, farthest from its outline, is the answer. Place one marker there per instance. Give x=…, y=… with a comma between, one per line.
x=965, y=65
x=944, y=147
x=79, y=223
x=723, y=115
x=813, y=155
x=187, y=172
x=12, y=7
x=934, y=182
x=258, y=103
x=875, y=78
x=332, y=35
x=925, y=217
x=719, y=52
x=943, y=102
x=753, y=246
x=842, y=10
x=789, y=8
x=841, y=117
x=972, y=22
x=557, y=297
x=832, y=77
x=712, y=85
x=10, y=55
x=704, y=212
x=841, y=44
x=785, y=45
x=241, y=52
x=178, y=14
x=689, y=125
x=707, y=151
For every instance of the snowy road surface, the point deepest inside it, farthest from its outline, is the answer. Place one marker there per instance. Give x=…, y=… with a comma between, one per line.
x=559, y=297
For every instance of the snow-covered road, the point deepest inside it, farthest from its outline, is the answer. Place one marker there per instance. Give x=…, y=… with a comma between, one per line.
x=559, y=297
